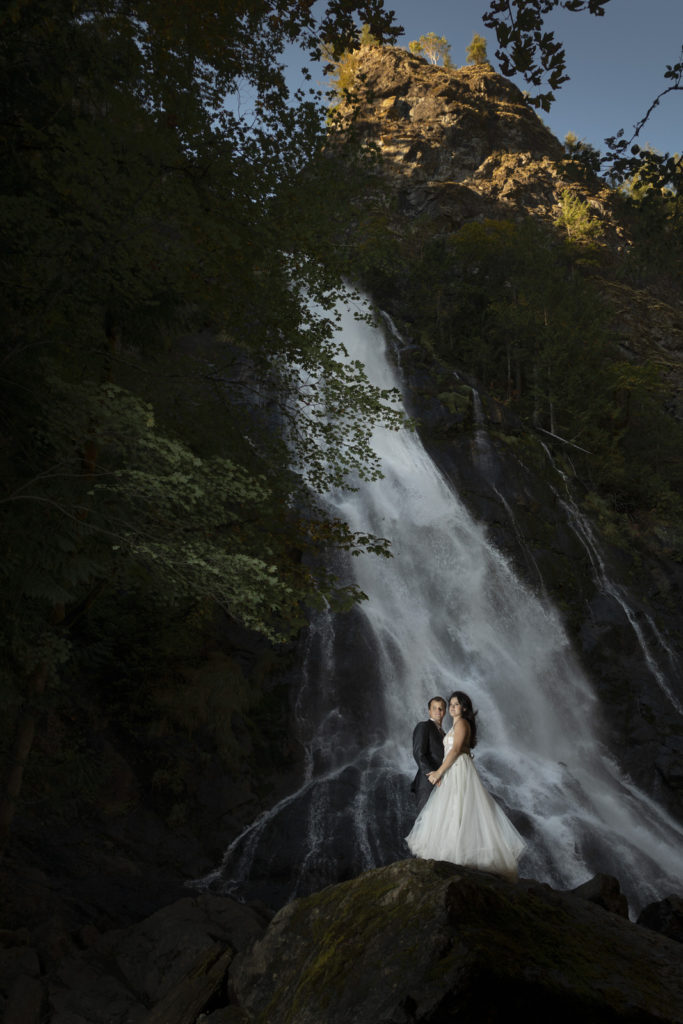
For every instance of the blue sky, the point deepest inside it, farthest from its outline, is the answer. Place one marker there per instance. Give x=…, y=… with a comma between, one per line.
x=616, y=63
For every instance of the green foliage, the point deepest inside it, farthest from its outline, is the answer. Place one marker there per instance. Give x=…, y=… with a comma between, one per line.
x=577, y=219
x=654, y=217
x=342, y=69
x=503, y=303
x=476, y=51
x=139, y=207
x=583, y=159
x=434, y=48
x=149, y=228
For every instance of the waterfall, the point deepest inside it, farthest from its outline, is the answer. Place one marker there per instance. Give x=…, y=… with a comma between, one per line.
x=446, y=612
x=583, y=531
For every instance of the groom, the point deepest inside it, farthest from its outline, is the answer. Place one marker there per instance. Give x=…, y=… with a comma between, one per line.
x=428, y=749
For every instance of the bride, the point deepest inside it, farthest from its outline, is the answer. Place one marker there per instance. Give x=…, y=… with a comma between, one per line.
x=460, y=822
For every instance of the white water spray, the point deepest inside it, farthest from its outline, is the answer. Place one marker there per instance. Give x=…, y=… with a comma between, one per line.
x=584, y=532
x=447, y=612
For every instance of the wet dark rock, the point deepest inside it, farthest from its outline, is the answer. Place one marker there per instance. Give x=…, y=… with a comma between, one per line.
x=192, y=992
x=428, y=942
x=669, y=762
x=15, y=961
x=665, y=916
x=25, y=1002
x=604, y=891
x=21, y=990
x=227, y=1015
x=176, y=960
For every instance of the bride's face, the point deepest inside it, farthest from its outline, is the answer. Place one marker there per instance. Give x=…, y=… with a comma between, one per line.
x=455, y=708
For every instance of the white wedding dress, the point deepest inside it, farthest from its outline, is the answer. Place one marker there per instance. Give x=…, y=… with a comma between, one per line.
x=463, y=824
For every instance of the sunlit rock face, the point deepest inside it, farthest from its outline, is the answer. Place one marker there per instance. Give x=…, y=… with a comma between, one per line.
x=441, y=124
x=460, y=143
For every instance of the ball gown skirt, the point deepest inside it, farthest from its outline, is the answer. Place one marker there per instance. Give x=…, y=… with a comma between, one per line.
x=463, y=824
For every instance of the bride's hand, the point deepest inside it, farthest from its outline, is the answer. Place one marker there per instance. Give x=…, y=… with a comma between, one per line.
x=434, y=779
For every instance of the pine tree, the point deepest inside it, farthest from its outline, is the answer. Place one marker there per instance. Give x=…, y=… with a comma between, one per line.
x=476, y=51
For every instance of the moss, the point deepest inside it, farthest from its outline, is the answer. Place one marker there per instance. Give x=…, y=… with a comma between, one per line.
x=456, y=401
x=341, y=923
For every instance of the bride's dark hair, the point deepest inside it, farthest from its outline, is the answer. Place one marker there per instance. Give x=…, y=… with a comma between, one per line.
x=468, y=713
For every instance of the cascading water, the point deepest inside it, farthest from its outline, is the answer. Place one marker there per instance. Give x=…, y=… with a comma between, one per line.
x=446, y=612
x=583, y=531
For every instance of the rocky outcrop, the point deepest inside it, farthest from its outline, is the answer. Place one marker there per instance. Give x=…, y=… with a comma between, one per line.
x=164, y=970
x=459, y=144
x=462, y=144
x=417, y=942
x=422, y=941
x=441, y=124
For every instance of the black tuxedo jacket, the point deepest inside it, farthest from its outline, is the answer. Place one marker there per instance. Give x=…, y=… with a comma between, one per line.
x=428, y=754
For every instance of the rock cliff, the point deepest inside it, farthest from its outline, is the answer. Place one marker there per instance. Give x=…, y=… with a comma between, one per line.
x=461, y=146
x=458, y=143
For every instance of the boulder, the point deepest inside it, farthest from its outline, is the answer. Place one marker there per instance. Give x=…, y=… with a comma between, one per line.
x=665, y=916
x=604, y=891
x=167, y=967
x=425, y=941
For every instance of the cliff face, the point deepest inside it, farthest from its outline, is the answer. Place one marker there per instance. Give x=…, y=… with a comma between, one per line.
x=461, y=146
x=459, y=143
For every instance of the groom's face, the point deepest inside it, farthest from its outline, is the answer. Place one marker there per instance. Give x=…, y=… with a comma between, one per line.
x=437, y=710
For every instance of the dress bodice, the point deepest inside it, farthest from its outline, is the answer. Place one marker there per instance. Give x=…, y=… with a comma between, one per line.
x=448, y=742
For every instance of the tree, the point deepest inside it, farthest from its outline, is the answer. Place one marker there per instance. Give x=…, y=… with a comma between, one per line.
x=502, y=304
x=366, y=38
x=142, y=210
x=434, y=48
x=582, y=156
x=476, y=51
x=577, y=220
x=342, y=68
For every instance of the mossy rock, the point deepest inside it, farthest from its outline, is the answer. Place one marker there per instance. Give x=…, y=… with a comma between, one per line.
x=426, y=941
